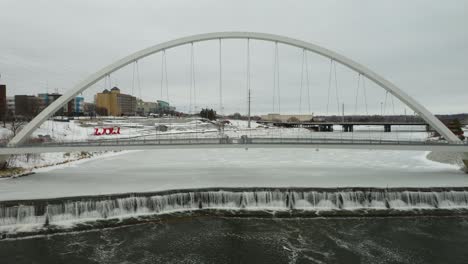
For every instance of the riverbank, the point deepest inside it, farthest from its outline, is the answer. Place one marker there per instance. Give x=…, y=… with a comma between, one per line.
x=28, y=164
x=448, y=158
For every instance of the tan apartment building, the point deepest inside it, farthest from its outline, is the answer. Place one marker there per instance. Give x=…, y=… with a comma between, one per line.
x=115, y=103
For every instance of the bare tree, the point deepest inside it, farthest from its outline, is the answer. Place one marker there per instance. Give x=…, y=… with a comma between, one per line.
x=16, y=125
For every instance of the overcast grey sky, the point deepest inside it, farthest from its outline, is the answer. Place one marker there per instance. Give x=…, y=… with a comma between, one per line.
x=421, y=46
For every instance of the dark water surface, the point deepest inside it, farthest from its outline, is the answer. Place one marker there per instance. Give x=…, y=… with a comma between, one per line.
x=254, y=240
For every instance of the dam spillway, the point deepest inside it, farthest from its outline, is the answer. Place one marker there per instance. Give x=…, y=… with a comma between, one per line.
x=39, y=214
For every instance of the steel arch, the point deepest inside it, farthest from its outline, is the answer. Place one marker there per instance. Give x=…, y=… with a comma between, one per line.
x=379, y=80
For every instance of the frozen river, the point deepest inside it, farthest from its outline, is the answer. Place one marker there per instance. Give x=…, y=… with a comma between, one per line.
x=142, y=171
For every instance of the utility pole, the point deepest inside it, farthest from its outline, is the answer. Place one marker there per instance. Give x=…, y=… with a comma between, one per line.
x=248, y=109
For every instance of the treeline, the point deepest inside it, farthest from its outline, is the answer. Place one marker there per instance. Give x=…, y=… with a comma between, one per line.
x=208, y=113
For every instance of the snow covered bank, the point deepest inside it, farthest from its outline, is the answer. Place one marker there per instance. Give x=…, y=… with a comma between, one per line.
x=23, y=165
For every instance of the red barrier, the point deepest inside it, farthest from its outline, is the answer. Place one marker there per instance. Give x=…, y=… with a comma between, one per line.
x=107, y=131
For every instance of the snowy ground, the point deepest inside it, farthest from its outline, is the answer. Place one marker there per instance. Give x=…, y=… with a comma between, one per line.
x=147, y=128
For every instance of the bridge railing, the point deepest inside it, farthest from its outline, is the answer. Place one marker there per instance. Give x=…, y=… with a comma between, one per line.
x=237, y=140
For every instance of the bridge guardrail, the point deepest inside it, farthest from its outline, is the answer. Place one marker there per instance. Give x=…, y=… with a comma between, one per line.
x=230, y=140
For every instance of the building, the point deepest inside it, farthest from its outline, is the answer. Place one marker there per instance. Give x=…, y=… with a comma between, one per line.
x=287, y=118
x=3, y=101
x=11, y=105
x=79, y=105
x=48, y=98
x=74, y=107
x=115, y=103
x=146, y=108
x=89, y=109
x=163, y=105
x=27, y=106
x=45, y=99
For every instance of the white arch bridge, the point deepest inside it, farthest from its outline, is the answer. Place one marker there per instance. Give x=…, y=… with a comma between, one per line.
x=451, y=143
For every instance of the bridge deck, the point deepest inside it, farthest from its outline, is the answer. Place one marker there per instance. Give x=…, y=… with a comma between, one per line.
x=242, y=142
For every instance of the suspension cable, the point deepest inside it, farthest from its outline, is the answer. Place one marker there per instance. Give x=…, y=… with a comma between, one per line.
x=194, y=93
x=274, y=79
x=337, y=98
x=278, y=77
x=302, y=81
x=356, y=102
x=162, y=73
x=394, y=114
x=365, y=102
x=357, y=94
x=248, y=84
x=336, y=90
x=383, y=111
x=220, y=79
x=138, y=79
x=329, y=85
x=167, y=82
x=248, y=72
x=308, y=83
x=191, y=80
x=133, y=77
x=192, y=53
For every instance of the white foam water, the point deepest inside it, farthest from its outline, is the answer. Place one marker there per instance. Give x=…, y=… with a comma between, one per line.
x=34, y=214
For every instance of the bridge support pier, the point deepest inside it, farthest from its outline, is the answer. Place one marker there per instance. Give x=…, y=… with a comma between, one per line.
x=387, y=128
x=348, y=128
x=326, y=128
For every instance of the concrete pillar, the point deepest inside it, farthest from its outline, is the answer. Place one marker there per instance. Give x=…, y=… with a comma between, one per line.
x=347, y=128
x=387, y=128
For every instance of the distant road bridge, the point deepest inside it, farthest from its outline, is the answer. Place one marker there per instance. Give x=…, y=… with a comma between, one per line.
x=348, y=126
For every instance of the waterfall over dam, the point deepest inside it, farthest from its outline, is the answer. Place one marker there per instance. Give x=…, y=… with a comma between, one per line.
x=23, y=214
